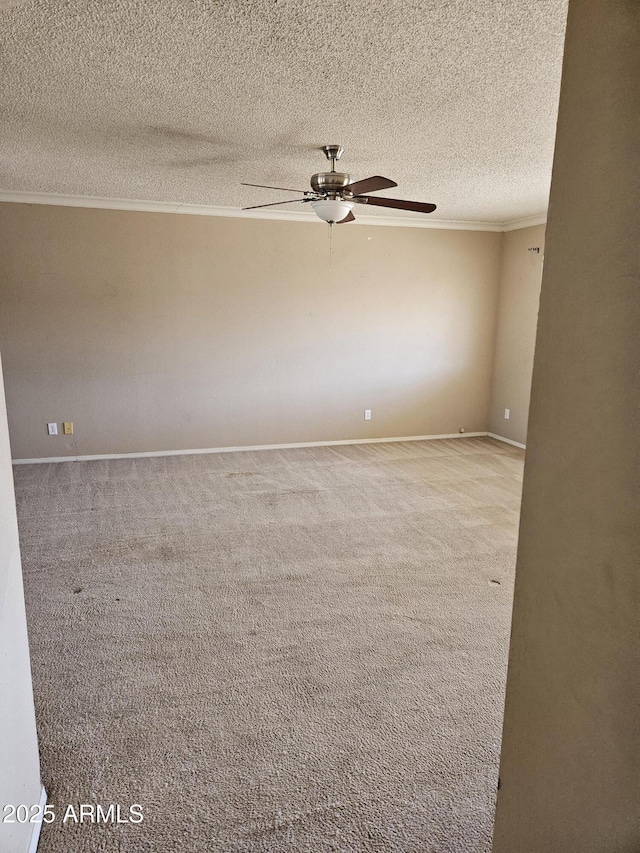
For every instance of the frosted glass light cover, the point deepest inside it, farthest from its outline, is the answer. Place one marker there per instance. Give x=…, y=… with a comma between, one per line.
x=332, y=210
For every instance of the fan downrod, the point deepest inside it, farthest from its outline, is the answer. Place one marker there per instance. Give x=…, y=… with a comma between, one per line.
x=333, y=153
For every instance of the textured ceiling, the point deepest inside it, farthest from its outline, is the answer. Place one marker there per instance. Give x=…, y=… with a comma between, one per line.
x=181, y=100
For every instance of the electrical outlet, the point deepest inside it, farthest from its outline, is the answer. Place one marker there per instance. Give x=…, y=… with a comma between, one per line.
x=67, y=428
x=507, y=414
x=52, y=429
x=367, y=414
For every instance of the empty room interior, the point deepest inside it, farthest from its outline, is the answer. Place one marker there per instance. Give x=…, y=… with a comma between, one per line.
x=271, y=294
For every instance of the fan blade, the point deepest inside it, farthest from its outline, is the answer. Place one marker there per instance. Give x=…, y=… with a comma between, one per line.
x=398, y=203
x=273, y=203
x=370, y=185
x=284, y=189
x=348, y=218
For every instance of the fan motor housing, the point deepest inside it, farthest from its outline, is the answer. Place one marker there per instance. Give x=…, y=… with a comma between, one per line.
x=330, y=182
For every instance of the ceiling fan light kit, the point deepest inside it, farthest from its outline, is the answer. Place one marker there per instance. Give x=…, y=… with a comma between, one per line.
x=333, y=194
x=332, y=210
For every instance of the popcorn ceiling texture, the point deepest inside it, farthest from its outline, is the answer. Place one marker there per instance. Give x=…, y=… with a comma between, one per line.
x=181, y=101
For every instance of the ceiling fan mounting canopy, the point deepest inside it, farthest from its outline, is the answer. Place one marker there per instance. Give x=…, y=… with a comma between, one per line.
x=333, y=194
x=333, y=153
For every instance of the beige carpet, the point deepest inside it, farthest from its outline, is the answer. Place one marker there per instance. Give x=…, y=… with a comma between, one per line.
x=299, y=650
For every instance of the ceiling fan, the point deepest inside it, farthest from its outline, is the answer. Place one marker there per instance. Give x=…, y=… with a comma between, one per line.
x=333, y=195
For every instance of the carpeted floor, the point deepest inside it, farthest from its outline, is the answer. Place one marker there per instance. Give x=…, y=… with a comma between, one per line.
x=297, y=650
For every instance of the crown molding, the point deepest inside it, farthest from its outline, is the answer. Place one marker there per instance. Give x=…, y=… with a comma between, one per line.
x=16, y=197
x=525, y=222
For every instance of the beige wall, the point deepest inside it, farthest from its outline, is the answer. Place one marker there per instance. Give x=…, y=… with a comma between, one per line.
x=19, y=762
x=518, y=299
x=570, y=766
x=164, y=332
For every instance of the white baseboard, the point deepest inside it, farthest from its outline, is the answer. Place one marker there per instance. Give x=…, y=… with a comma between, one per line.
x=507, y=440
x=35, y=833
x=253, y=447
